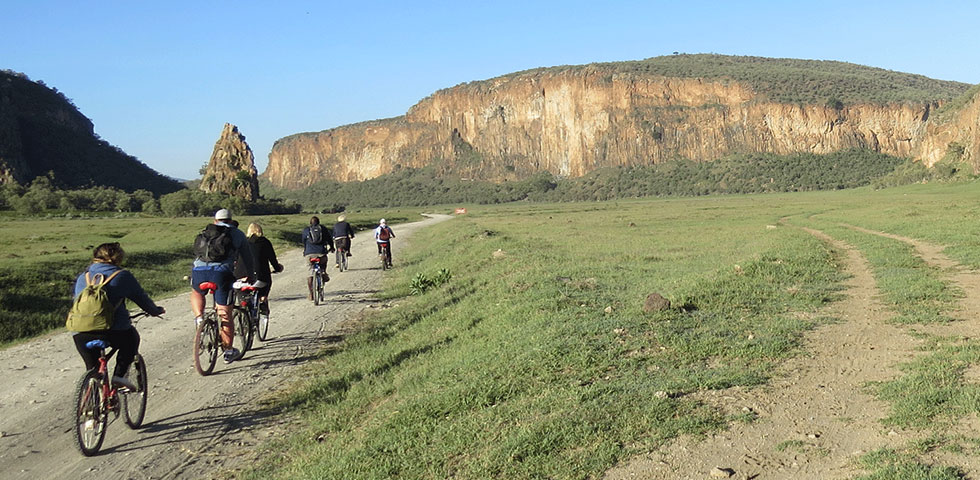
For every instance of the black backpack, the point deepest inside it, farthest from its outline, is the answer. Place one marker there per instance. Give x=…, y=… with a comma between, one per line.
x=214, y=243
x=316, y=234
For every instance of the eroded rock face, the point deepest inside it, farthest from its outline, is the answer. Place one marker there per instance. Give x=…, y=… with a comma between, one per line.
x=575, y=121
x=232, y=169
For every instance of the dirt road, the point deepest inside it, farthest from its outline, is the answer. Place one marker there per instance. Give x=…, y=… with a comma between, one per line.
x=816, y=417
x=195, y=426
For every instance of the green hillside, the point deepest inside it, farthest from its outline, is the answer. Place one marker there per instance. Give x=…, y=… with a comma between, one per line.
x=41, y=131
x=783, y=79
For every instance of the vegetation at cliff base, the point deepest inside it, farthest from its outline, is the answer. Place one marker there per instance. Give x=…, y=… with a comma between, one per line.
x=745, y=173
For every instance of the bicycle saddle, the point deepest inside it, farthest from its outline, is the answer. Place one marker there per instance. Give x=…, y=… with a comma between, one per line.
x=204, y=286
x=97, y=344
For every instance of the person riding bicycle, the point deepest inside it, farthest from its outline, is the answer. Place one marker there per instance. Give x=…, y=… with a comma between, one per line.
x=216, y=250
x=317, y=243
x=121, y=285
x=263, y=255
x=383, y=235
x=343, y=233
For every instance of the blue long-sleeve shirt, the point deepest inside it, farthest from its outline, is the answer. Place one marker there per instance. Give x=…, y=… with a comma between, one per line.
x=123, y=286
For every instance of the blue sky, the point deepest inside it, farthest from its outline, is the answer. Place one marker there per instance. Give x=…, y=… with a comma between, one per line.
x=160, y=79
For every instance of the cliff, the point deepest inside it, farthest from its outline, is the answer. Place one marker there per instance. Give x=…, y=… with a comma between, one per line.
x=573, y=120
x=41, y=131
x=231, y=168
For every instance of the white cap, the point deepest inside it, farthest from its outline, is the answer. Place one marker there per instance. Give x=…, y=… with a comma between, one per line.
x=222, y=214
x=382, y=221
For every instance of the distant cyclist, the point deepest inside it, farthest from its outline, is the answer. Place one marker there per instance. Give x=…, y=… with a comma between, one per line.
x=122, y=285
x=343, y=233
x=383, y=235
x=216, y=249
x=317, y=243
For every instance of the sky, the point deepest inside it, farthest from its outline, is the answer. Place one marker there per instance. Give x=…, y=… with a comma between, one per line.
x=160, y=79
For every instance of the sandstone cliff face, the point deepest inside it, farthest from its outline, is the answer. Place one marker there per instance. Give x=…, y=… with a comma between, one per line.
x=231, y=168
x=573, y=122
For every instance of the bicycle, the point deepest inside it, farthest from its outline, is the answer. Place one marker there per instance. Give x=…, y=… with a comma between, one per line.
x=318, y=272
x=385, y=255
x=247, y=301
x=207, y=336
x=341, y=257
x=97, y=398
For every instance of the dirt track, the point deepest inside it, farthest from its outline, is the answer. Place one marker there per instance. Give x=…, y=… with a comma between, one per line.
x=816, y=418
x=195, y=426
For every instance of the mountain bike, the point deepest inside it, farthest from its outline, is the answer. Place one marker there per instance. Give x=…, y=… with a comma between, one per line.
x=247, y=301
x=207, y=337
x=385, y=255
x=318, y=273
x=96, y=398
x=341, y=257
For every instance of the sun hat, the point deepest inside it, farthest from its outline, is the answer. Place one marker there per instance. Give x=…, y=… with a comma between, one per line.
x=222, y=214
x=341, y=218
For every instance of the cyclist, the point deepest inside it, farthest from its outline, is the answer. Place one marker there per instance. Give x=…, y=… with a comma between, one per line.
x=343, y=233
x=263, y=255
x=383, y=235
x=219, y=269
x=317, y=243
x=122, y=285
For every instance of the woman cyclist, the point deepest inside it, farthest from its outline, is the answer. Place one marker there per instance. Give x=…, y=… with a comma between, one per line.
x=122, y=285
x=263, y=255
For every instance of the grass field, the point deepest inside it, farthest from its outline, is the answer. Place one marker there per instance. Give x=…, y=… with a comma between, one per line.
x=40, y=258
x=537, y=361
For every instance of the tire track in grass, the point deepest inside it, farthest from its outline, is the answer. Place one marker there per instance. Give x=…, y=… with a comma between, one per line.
x=964, y=331
x=816, y=418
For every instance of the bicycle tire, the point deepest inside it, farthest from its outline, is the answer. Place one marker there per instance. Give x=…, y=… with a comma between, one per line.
x=343, y=262
x=206, y=345
x=134, y=403
x=90, y=419
x=243, y=330
x=317, y=288
x=263, y=327
x=384, y=259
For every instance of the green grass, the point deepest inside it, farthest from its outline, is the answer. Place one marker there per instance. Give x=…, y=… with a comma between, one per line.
x=539, y=362
x=40, y=258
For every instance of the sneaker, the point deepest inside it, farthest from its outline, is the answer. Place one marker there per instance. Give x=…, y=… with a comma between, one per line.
x=336, y=265
x=350, y=254
x=232, y=354
x=124, y=382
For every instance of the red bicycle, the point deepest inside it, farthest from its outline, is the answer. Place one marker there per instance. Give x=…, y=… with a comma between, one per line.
x=97, y=398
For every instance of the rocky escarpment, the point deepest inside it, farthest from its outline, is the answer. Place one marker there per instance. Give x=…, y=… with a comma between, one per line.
x=231, y=168
x=42, y=133
x=575, y=120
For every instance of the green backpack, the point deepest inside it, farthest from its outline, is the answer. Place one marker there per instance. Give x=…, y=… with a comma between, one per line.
x=92, y=309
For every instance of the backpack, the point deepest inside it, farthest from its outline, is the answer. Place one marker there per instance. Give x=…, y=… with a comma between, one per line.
x=214, y=243
x=384, y=234
x=316, y=234
x=92, y=309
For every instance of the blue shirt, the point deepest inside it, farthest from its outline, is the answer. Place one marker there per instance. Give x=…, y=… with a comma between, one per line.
x=121, y=287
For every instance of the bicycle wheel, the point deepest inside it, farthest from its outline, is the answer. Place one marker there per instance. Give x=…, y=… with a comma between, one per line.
x=343, y=262
x=206, y=345
x=134, y=403
x=263, y=328
x=384, y=260
x=317, y=288
x=243, y=331
x=90, y=420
